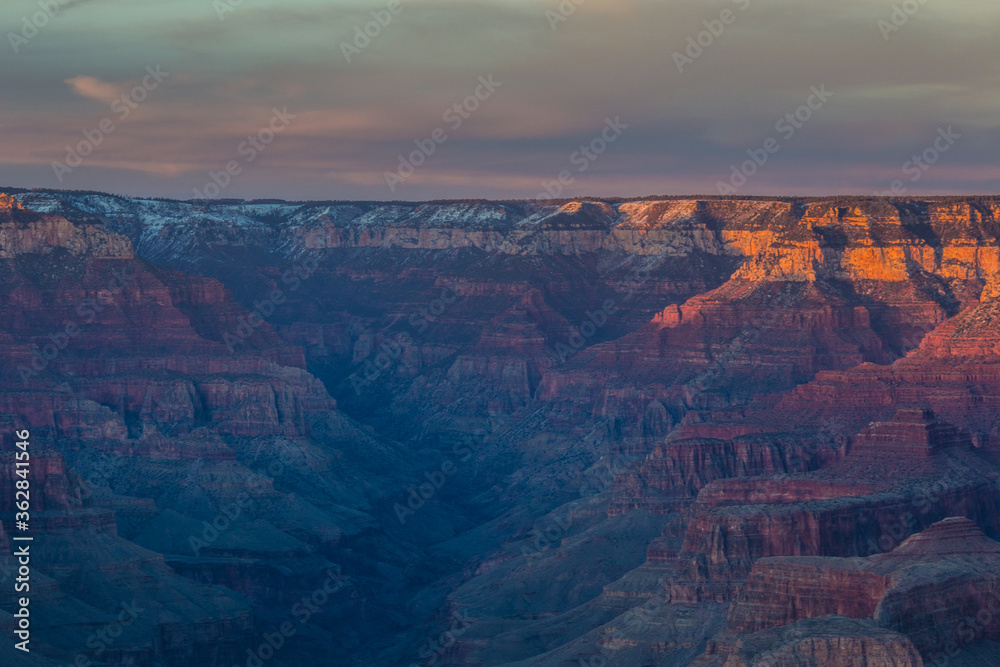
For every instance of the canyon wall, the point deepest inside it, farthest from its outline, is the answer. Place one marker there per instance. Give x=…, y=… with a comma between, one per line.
x=535, y=416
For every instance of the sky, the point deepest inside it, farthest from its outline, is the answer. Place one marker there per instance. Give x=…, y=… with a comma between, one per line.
x=345, y=99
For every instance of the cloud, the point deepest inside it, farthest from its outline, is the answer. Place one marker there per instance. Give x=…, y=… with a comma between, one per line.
x=73, y=3
x=610, y=58
x=94, y=88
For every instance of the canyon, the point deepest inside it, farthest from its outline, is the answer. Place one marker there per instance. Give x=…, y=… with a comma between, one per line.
x=719, y=432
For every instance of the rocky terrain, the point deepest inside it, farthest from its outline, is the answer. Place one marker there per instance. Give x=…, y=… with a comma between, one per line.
x=668, y=431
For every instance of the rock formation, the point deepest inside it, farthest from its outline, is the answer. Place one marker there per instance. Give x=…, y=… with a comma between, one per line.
x=940, y=588
x=650, y=432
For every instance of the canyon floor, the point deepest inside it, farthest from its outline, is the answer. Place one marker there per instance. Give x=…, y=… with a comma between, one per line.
x=713, y=432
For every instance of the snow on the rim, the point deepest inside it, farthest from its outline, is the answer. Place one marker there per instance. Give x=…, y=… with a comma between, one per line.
x=176, y=230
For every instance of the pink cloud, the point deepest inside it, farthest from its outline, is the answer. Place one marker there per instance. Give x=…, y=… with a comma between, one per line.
x=94, y=88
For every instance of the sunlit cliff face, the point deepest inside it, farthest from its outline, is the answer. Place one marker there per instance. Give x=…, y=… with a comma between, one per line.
x=741, y=410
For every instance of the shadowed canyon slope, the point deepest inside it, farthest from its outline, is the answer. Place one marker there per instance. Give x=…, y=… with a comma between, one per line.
x=655, y=432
